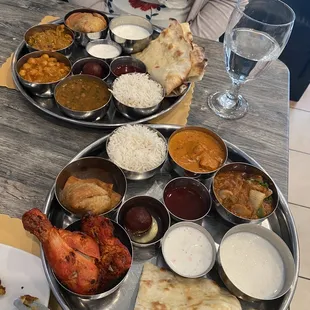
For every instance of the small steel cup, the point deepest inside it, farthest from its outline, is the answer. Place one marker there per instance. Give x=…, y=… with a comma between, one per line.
x=129, y=61
x=83, y=38
x=131, y=46
x=67, y=51
x=103, y=41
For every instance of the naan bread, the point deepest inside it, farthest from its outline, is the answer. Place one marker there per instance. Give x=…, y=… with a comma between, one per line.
x=173, y=58
x=162, y=290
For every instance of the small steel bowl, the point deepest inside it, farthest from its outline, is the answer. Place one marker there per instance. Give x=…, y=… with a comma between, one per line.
x=67, y=51
x=136, y=113
x=44, y=90
x=277, y=242
x=131, y=46
x=78, y=66
x=127, y=61
x=92, y=167
x=133, y=175
x=121, y=234
x=103, y=41
x=187, y=173
x=157, y=210
x=84, y=115
x=243, y=167
x=196, y=186
x=83, y=38
x=197, y=227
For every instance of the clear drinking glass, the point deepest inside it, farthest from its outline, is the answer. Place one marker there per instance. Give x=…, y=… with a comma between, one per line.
x=256, y=35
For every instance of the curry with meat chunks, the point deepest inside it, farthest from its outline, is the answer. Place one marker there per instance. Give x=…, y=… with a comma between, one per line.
x=82, y=93
x=44, y=69
x=245, y=195
x=50, y=39
x=196, y=151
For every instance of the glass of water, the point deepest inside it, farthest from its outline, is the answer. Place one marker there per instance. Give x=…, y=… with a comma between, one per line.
x=256, y=35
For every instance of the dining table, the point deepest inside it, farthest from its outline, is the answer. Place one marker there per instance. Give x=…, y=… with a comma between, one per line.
x=35, y=147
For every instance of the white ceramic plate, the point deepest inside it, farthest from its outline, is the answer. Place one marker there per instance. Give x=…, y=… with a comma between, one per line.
x=21, y=273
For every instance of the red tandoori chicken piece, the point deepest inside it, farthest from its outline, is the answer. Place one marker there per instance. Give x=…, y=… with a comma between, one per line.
x=115, y=258
x=72, y=262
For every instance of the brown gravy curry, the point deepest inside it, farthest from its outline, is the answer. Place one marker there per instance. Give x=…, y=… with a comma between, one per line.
x=196, y=151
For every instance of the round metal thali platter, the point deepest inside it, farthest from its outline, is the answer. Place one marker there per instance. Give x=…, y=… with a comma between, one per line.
x=113, y=118
x=281, y=222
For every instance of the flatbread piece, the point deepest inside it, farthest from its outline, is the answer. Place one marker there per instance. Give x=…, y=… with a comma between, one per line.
x=163, y=290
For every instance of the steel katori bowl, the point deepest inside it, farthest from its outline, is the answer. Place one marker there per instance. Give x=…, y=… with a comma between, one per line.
x=181, y=171
x=128, y=45
x=134, y=175
x=83, y=38
x=156, y=209
x=44, y=90
x=67, y=51
x=103, y=42
x=90, y=115
x=276, y=241
x=135, y=113
x=92, y=168
x=121, y=234
x=247, y=168
x=127, y=61
x=77, y=67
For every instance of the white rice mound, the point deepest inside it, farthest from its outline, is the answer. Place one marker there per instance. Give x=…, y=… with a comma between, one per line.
x=136, y=148
x=137, y=90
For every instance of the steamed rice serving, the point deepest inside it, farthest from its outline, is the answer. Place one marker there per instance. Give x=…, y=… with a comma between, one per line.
x=137, y=90
x=136, y=148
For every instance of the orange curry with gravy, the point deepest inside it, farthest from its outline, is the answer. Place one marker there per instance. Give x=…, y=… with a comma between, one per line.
x=245, y=195
x=196, y=151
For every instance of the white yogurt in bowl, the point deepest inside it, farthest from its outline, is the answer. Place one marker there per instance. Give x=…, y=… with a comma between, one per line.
x=104, y=51
x=131, y=32
x=189, y=249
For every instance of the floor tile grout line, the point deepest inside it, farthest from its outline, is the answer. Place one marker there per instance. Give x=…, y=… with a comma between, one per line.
x=299, y=151
x=298, y=205
x=305, y=278
x=299, y=109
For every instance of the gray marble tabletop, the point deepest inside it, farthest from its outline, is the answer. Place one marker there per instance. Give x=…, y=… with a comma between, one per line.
x=34, y=148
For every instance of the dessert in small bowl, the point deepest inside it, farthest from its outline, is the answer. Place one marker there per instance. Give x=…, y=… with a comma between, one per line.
x=189, y=249
x=243, y=193
x=196, y=152
x=145, y=219
x=255, y=263
x=83, y=97
x=133, y=33
x=136, y=95
x=50, y=37
x=39, y=72
x=187, y=199
x=91, y=66
x=90, y=184
x=87, y=25
x=139, y=150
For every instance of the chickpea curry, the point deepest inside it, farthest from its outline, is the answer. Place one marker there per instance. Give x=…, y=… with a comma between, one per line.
x=82, y=93
x=50, y=39
x=44, y=69
x=196, y=151
x=245, y=195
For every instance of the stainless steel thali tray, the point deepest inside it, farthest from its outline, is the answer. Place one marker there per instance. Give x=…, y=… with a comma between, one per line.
x=112, y=119
x=280, y=222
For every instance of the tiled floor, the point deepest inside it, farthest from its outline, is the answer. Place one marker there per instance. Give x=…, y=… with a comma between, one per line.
x=299, y=192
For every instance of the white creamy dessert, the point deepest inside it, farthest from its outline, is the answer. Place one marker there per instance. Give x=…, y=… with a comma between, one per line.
x=187, y=251
x=131, y=32
x=104, y=51
x=253, y=265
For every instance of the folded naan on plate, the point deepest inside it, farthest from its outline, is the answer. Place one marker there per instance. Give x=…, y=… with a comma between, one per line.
x=173, y=58
x=162, y=289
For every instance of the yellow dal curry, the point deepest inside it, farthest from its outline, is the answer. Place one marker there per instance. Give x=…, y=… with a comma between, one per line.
x=84, y=93
x=196, y=151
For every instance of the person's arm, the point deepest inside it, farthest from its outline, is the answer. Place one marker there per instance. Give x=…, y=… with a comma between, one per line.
x=211, y=21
